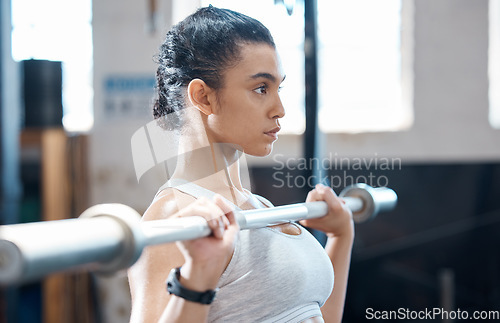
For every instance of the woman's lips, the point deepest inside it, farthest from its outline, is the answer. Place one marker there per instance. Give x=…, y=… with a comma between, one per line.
x=273, y=133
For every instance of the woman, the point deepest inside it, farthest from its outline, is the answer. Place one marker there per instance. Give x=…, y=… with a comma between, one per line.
x=219, y=75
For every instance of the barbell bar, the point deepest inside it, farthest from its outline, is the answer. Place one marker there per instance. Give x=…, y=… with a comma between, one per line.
x=111, y=237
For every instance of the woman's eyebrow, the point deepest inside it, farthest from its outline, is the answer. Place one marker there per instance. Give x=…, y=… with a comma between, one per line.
x=268, y=76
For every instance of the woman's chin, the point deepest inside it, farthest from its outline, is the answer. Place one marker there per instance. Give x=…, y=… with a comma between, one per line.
x=260, y=151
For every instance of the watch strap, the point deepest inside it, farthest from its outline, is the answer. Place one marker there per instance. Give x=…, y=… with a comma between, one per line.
x=175, y=287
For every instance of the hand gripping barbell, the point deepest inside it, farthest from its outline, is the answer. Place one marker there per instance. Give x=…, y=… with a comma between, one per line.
x=110, y=237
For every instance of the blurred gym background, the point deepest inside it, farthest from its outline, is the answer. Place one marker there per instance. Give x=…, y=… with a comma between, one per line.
x=398, y=93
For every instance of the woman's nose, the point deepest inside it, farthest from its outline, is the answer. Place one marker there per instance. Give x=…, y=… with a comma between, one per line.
x=278, y=110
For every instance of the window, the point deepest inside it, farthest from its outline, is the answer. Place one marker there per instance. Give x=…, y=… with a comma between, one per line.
x=288, y=33
x=494, y=63
x=59, y=30
x=360, y=66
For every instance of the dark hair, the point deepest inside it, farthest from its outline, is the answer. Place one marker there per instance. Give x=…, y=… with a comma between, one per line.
x=202, y=46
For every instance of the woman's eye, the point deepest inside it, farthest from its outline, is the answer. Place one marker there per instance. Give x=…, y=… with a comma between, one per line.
x=261, y=89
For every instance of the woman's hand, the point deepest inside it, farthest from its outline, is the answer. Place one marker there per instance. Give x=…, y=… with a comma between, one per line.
x=338, y=222
x=206, y=258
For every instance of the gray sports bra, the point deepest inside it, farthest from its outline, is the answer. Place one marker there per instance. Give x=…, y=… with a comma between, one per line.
x=272, y=276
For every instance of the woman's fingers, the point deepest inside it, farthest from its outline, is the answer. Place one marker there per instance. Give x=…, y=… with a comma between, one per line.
x=338, y=217
x=233, y=228
x=325, y=193
x=331, y=198
x=215, y=213
x=222, y=204
x=215, y=217
x=229, y=218
x=217, y=227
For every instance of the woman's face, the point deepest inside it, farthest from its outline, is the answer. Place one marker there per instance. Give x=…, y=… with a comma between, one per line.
x=249, y=105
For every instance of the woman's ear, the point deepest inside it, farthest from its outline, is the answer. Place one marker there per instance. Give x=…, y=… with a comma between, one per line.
x=201, y=96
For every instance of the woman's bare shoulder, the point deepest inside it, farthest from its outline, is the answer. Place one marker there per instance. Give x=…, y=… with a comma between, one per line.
x=166, y=203
x=147, y=276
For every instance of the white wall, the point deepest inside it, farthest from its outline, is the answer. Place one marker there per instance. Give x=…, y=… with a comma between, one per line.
x=123, y=51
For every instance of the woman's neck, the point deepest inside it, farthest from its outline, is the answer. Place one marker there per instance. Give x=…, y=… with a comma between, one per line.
x=209, y=164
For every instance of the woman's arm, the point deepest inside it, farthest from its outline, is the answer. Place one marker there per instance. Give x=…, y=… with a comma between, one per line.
x=339, y=227
x=193, y=277
x=338, y=249
x=203, y=261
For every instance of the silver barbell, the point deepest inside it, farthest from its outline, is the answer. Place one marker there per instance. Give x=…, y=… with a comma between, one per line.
x=111, y=237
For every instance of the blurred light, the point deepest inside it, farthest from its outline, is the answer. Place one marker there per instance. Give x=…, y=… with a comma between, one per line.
x=360, y=66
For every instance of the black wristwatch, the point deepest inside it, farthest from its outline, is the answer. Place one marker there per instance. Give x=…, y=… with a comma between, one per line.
x=175, y=287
